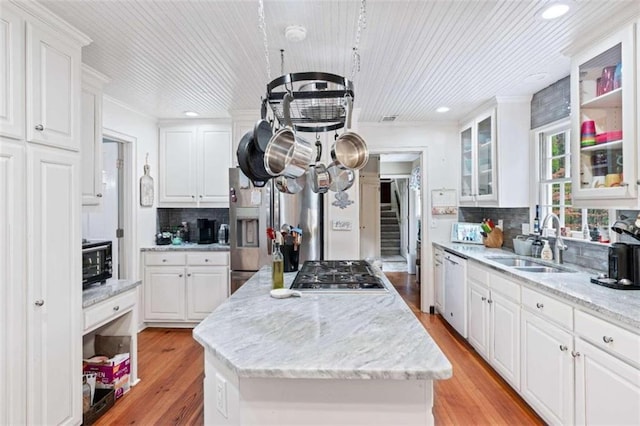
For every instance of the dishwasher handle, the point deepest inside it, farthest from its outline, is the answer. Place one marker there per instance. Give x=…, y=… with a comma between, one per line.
x=449, y=259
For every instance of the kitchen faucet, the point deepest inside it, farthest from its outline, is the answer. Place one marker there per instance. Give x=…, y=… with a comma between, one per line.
x=559, y=247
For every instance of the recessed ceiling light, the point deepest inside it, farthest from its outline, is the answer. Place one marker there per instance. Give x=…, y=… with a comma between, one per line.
x=295, y=33
x=443, y=109
x=534, y=78
x=191, y=114
x=554, y=11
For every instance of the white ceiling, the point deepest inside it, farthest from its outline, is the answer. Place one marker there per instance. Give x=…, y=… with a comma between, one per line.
x=167, y=57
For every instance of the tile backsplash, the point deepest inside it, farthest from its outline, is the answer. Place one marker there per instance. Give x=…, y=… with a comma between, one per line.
x=512, y=218
x=171, y=218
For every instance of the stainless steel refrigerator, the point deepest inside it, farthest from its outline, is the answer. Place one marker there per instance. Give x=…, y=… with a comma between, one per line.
x=252, y=210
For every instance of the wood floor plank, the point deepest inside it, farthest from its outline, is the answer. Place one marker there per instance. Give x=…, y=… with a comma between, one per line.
x=170, y=365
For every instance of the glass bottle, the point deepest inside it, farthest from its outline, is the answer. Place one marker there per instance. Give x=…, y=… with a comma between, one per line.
x=536, y=221
x=277, y=268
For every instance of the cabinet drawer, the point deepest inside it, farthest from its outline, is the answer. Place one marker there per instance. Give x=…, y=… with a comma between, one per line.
x=477, y=273
x=608, y=336
x=164, y=258
x=208, y=258
x=548, y=307
x=505, y=286
x=110, y=308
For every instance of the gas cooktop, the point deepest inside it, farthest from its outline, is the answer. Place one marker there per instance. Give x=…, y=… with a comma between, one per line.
x=339, y=276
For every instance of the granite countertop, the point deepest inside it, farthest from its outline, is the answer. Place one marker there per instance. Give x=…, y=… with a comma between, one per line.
x=97, y=292
x=622, y=306
x=188, y=247
x=316, y=336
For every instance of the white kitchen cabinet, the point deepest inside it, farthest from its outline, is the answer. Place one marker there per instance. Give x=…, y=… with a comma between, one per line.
x=184, y=287
x=494, y=168
x=455, y=292
x=54, y=298
x=607, y=389
x=604, y=169
x=547, y=379
x=40, y=295
x=194, y=165
x=479, y=318
x=438, y=279
x=12, y=74
x=91, y=135
x=53, y=88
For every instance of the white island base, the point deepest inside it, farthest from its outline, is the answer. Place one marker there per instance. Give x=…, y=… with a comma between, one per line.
x=233, y=400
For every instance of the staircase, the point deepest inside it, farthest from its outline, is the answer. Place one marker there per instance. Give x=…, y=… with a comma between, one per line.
x=389, y=231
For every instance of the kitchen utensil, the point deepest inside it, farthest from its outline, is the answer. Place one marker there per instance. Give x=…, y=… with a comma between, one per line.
x=287, y=153
x=289, y=185
x=522, y=245
x=340, y=179
x=285, y=228
x=256, y=161
x=494, y=239
x=319, y=178
x=350, y=150
x=262, y=130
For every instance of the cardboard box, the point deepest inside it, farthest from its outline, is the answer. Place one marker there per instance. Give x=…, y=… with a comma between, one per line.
x=112, y=373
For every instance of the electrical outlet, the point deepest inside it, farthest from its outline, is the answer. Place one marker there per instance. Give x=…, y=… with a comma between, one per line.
x=500, y=223
x=221, y=395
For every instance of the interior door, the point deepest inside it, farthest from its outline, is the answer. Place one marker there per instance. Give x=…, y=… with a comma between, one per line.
x=370, y=208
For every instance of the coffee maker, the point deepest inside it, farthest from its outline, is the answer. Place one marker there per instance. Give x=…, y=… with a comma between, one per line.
x=206, y=231
x=621, y=262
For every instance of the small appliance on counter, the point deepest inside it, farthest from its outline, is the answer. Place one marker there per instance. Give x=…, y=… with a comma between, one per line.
x=469, y=233
x=96, y=262
x=624, y=268
x=163, y=238
x=206, y=231
x=223, y=234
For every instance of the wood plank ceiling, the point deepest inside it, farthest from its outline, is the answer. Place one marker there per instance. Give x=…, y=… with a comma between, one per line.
x=167, y=57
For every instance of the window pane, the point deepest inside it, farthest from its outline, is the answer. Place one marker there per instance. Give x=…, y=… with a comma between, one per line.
x=555, y=194
x=573, y=219
x=567, y=194
x=598, y=217
x=558, y=144
x=558, y=168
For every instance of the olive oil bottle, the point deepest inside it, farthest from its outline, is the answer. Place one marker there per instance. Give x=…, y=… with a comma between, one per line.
x=277, y=268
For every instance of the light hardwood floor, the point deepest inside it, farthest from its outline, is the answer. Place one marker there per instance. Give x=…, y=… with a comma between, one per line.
x=171, y=368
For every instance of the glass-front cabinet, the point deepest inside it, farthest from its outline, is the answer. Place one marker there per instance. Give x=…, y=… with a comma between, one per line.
x=478, y=174
x=603, y=123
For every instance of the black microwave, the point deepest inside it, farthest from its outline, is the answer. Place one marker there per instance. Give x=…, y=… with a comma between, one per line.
x=96, y=262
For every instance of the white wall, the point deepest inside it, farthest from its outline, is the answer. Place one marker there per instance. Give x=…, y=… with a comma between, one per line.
x=395, y=168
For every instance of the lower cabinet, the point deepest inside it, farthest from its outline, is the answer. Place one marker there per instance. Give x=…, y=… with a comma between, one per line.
x=547, y=369
x=438, y=279
x=187, y=289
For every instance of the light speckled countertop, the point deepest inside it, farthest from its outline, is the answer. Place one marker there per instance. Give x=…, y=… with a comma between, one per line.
x=97, y=292
x=316, y=336
x=622, y=306
x=188, y=247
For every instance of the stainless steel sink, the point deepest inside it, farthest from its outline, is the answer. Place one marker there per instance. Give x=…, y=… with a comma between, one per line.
x=541, y=269
x=514, y=261
x=528, y=265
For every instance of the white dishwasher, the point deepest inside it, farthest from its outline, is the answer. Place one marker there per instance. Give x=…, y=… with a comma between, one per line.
x=455, y=292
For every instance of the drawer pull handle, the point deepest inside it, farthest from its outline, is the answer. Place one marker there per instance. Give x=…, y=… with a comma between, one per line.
x=99, y=195
x=607, y=339
x=489, y=301
x=39, y=127
x=483, y=298
x=575, y=354
x=539, y=305
x=180, y=275
x=164, y=260
x=116, y=308
x=563, y=348
x=39, y=302
x=206, y=260
x=189, y=275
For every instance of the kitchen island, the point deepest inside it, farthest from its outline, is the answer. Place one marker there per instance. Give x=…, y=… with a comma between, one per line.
x=338, y=359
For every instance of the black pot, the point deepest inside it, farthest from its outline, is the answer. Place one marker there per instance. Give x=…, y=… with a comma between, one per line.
x=248, y=157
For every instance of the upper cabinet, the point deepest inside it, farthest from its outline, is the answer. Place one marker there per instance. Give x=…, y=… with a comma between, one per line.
x=53, y=88
x=91, y=135
x=603, y=98
x=495, y=155
x=11, y=74
x=194, y=165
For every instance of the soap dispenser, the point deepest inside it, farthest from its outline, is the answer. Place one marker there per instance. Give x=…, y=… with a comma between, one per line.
x=546, y=253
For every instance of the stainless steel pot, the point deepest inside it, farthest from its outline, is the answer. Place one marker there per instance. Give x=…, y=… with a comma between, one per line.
x=319, y=178
x=350, y=150
x=290, y=185
x=287, y=153
x=341, y=178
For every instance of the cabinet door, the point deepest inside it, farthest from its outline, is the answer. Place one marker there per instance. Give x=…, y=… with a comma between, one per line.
x=177, y=171
x=603, y=122
x=207, y=287
x=485, y=149
x=12, y=277
x=164, y=293
x=467, y=165
x=53, y=90
x=504, y=353
x=438, y=271
x=547, y=380
x=214, y=160
x=607, y=389
x=54, y=292
x=11, y=74
x=91, y=136
x=479, y=317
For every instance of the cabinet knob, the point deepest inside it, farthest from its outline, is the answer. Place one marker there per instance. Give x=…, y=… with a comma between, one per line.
x=180, y=275
x=39, y=302
x=563, y=348
x=206, y=260
x=116, y=308
x=193, y=196
x=539, y=305
x=99, y=195
x=489, y=301
x=189, y=274
x=39, y=127
x=483, y=298
x=164, y=260
x=201, y=197
x=607, y=339
x=575, y=354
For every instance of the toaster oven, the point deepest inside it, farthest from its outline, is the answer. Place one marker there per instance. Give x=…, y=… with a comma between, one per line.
x=96, y=262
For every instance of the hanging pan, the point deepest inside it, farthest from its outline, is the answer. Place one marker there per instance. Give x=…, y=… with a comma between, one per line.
x=289, y=185
x=350, y=150
x=262, y=131
x=245, y=160
x=318, y=176
x=287, y=153
x=341, y=179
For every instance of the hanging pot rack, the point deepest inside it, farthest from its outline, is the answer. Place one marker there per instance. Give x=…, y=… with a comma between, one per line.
x=318, y=100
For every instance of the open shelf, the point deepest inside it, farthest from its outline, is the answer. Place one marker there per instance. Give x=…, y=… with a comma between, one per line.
x=612, y=99
x=607, y=145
